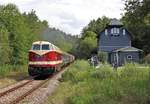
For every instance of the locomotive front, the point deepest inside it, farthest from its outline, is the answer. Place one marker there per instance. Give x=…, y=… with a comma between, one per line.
x=44, y=58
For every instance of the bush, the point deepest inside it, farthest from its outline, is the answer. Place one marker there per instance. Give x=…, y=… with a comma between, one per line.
x=103, y=56
x=147, y=59
x=6, y=70
x=103, y=72
x=77, y=72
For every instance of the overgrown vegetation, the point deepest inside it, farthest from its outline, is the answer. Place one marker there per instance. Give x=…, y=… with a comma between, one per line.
x=6, y=70
x=103, y=56
x=17, y=32
x=147, y=59
x=85, y=45
x=82, y=84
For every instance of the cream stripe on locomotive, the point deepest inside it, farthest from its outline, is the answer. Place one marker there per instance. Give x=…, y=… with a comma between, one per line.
x=45, y=62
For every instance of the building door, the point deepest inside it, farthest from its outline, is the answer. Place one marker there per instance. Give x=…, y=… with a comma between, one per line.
x=109, y=58
x=116, y=58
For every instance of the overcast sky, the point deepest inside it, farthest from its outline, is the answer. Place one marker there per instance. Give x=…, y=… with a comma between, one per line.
x=70, y=15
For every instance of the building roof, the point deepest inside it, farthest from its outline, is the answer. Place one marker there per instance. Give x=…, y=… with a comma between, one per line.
x=128, y=49
x=115, y=22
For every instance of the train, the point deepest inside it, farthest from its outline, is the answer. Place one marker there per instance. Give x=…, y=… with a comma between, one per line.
x=45, y=58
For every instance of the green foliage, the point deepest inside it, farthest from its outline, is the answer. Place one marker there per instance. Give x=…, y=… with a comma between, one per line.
x=6, y=70
x=86, y=45
x=104, y=72
x=147, y=58
x=17, y=32
x=86, y=85
x=36, y=26
x=74, y=75
x=5, y=50
x=103, y=56
x=96, y=26
x=137, y=20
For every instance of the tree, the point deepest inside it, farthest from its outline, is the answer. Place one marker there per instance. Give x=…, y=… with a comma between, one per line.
x=137, y=20
x=17, y=33
x=86, y=45
x=5, y=50
x=96, y=26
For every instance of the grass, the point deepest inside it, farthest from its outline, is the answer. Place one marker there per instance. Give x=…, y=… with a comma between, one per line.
x=7, y=70
x=82, y=84
x=10, y=74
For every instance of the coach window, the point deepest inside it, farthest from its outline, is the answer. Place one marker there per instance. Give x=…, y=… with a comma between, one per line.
x=36, y=47
x=45, y=46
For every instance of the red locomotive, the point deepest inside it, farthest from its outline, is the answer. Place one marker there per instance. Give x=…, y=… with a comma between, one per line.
x=45, y=58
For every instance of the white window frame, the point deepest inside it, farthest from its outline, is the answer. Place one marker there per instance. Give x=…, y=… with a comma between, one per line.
x=106, y=32
x=124, y=32
x=112, y=31
x=130, y=57
x=115, y=31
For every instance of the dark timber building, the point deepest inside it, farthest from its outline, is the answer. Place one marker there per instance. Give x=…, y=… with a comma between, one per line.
x=116, y=41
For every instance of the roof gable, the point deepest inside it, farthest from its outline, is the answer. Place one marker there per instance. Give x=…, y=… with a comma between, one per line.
x=127, y=49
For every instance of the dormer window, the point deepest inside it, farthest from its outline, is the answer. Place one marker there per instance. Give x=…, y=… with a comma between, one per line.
x=124, y=32
x=106, y=32
x=115, y=31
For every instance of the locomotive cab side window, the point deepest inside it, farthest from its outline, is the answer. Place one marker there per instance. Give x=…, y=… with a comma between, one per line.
x=36, y=47
x=45, y=46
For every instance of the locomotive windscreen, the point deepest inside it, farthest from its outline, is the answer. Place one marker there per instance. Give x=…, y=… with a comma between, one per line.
x=36, y=47
x=45, y=47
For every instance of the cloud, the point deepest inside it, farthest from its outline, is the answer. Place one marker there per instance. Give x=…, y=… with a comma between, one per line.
x=70, y=15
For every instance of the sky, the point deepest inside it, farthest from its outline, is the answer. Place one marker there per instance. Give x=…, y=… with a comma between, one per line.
x=70, y=16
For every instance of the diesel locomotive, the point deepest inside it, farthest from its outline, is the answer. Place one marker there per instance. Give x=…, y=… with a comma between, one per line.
x=45, y=58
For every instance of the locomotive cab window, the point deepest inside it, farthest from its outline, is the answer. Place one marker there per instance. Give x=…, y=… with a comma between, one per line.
x=36, y=47
x=45, y=46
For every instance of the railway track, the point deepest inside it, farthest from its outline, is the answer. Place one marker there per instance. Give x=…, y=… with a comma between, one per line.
x=17, y=93
x=14, y=88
